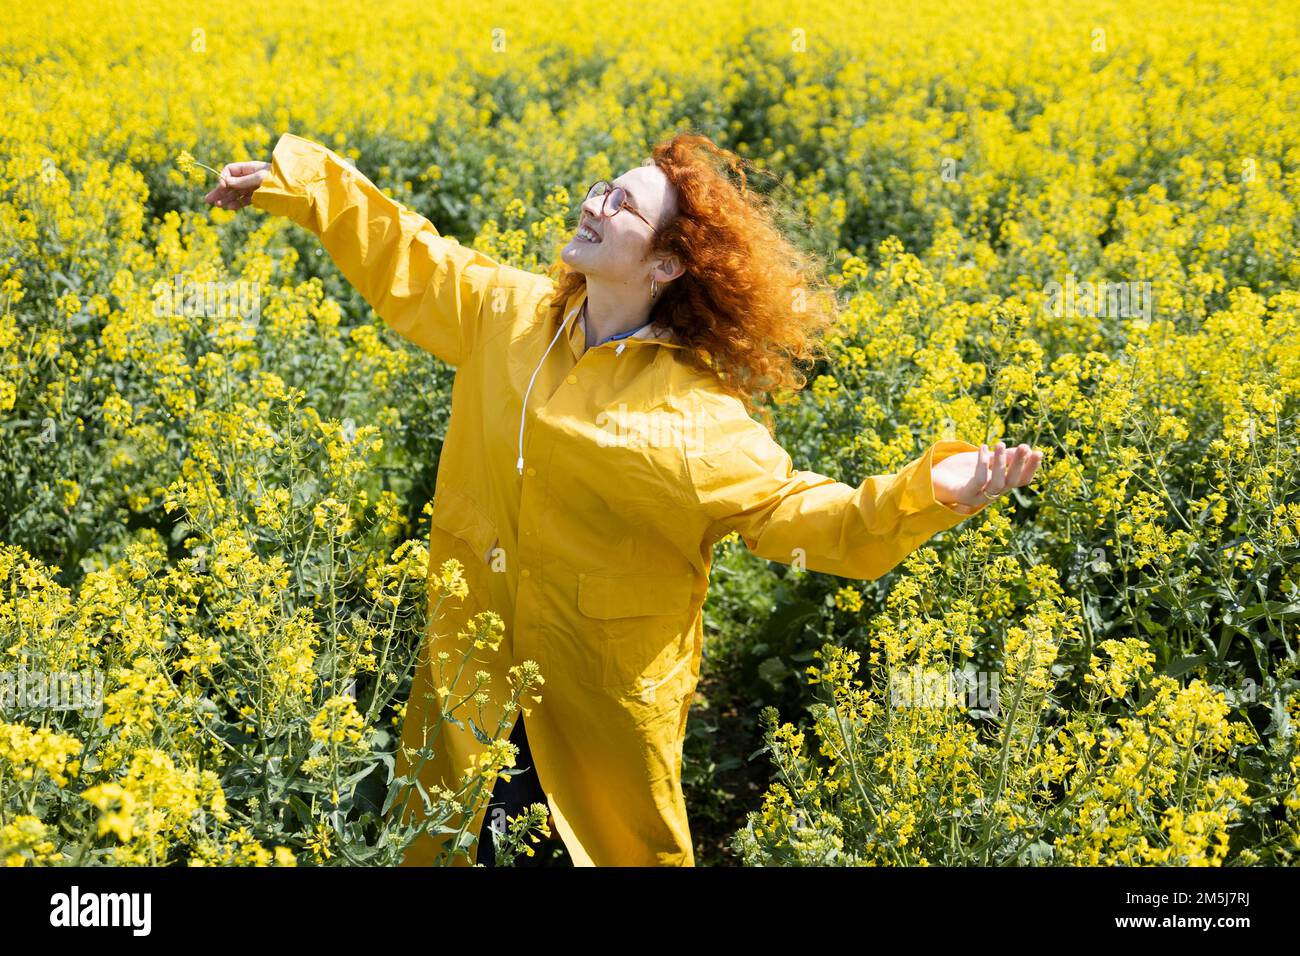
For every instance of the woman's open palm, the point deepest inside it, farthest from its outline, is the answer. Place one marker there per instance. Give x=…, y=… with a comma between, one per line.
x=973, y=478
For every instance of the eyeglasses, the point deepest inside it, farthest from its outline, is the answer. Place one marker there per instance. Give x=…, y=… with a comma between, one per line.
x=615, y=201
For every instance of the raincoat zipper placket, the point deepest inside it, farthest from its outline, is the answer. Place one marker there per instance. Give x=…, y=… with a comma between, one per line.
x=526, y=554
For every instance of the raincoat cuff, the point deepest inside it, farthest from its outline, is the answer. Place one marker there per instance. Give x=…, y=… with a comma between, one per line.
x=297, y=164
x=924, y=512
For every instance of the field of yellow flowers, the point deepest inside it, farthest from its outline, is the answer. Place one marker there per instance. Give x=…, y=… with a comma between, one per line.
x=1074, y=228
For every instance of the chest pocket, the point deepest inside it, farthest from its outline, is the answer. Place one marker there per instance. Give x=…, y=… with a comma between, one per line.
x=639, y=622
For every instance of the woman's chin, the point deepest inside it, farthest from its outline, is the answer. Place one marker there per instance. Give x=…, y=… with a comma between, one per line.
x=576, y=251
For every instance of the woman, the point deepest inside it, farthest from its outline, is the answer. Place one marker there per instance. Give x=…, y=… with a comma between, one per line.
x=600, y=444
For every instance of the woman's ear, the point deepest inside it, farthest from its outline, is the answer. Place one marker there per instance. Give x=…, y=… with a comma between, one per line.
x=669, y=269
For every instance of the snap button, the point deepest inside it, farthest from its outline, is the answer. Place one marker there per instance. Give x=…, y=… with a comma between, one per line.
x=525, y=572
x=572, y=380
x=532, y=471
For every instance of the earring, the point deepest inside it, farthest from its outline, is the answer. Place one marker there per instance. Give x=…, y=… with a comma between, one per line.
x=653, y=289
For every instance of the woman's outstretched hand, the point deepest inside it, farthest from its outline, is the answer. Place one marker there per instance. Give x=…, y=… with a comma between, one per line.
x=969, y=479
x=238, y=182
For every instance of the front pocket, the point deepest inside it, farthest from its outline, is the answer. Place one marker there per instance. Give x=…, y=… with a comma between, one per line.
x=461, y=517
x=460, y=529
x=639, y=622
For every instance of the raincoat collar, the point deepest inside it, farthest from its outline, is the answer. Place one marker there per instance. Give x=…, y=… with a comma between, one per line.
x=577, y=334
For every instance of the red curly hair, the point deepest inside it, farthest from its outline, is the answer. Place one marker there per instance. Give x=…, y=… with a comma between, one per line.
x=751, y=307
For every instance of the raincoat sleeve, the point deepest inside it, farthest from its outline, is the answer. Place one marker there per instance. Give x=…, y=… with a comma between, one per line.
x=429, y=288
x=749, y=486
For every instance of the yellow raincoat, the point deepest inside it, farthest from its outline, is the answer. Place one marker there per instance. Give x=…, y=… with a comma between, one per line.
x=583, y=490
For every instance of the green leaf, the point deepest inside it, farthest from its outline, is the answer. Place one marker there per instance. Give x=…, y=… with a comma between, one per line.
x=1182, y=665
x=300, y=810
x=1040, y=853
x=350, y=781
x=479, y=735
x=1282, y=609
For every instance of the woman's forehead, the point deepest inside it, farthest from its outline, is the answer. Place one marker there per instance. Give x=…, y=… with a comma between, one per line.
x=646, y=186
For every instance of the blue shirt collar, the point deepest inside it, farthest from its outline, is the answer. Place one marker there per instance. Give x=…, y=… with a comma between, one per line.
x=621, y=335
x=616, y=335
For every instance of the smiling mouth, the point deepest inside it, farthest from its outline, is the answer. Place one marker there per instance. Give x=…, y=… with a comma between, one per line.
x=586, y=234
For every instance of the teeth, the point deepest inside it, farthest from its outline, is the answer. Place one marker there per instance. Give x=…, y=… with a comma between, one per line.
x=585, y=233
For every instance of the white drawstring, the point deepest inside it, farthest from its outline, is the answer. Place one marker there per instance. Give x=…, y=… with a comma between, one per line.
x=523, y=412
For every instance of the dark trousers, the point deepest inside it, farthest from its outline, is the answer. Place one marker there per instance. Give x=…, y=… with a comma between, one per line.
x=510, y=795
